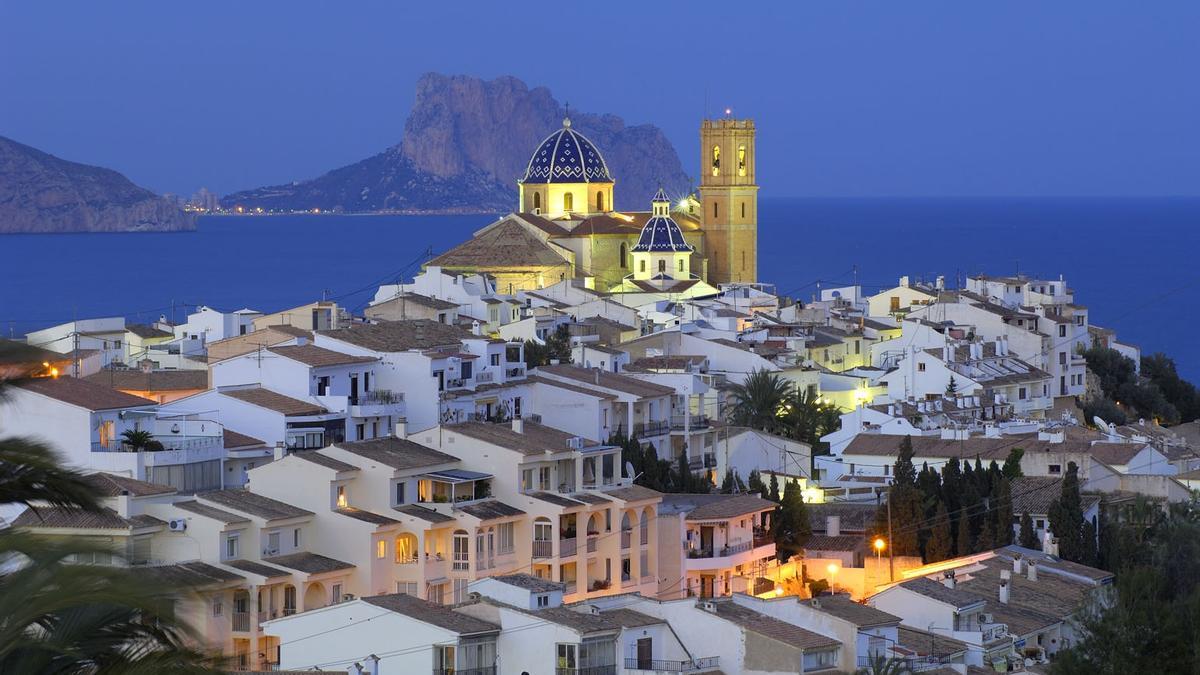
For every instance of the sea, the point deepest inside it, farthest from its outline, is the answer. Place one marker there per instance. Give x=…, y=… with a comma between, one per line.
x=1131, y=261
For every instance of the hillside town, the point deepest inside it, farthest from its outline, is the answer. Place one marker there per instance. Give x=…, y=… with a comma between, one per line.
x=763, y=480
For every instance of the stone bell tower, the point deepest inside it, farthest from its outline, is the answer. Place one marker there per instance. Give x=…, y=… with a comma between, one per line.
x=729, y=200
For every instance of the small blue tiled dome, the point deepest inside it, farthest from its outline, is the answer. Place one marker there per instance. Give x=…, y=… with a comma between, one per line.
x=566, y=156
x=661, y=234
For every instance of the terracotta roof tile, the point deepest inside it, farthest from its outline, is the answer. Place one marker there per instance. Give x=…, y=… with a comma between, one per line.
x=317, y=357
x=82, y=393
x=270, y=400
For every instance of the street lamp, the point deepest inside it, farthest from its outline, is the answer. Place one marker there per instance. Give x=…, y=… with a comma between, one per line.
x=879, y=545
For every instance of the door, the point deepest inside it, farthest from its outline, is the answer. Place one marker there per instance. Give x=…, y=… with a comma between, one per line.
x=706, y=539
x=644, y=653
x=353, y=389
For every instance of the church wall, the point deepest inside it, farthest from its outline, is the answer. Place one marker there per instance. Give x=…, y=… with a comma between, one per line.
x=583, y=197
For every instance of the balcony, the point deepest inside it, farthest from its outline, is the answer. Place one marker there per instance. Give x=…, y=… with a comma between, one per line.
x=514, y=371
x=636, y=665
x=543, y=549
x=377, y=403
x=485, y=377
x=732, y=555
x=241, y=622
x=693, y=422
x=567, y=547
x=591, y=542
x=587, y=670
x=626, y=539
x=644, y=429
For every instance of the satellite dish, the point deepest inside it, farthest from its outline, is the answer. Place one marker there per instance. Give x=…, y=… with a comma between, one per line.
x=1101, y=424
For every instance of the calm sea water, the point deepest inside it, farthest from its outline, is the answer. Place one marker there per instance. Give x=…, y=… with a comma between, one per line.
x=1132, y=261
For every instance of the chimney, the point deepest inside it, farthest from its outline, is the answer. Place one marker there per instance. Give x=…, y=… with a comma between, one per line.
x=1017, y=564
x=373, y=664
x=941, y=282
x=1032, y=570
x=1003, y=592
x=401, y=430
x=999, y=343
x=948, y=579
x=123, y=504
x=904, y=281
x=518, y=425
x=948, y=353
x=833, y=526
x=280, y=451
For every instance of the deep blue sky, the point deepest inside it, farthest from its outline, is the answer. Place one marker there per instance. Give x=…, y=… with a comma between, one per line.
x=851, y=98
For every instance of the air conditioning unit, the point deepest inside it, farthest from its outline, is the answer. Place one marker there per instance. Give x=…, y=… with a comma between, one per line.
x=988, y=618
x=575, y=443
x=177, y=525
x=270, y=552
x=347, y=597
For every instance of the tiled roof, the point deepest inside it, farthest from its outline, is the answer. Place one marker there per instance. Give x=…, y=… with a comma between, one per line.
x=235, y=440
x=145, y=331
x=426, y=514
x=255, y=504
x=400, y=336
x=270, y=400
x=854, y=517
x=397, y=453
x=991, y=448
x=566, y=386
x=258, y=568
x=310, y=563
x=590, y=498
x=505, y=244
x=714, y=506
x=326, y=461
x=530, y=583
x=432, y=613
x=634, y=493
x=312, y=355
x=211, y=512
x=583, y=623
x=954, y=597
x=534, y=439
x=365, y=516
x=112, y=485
x=193, y=574
x=595, y=377
x=414, y=298
x=53, y=517
x=863, y=616
x=925, y=643
x=82, y=393
x=844, y=542
x=767, y=626
x=1034, y=494
x=491, y=509
x=629, y=618
x=553, y=498
x=155, y=380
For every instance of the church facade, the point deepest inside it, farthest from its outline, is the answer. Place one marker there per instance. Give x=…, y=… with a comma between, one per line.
x=566, y=228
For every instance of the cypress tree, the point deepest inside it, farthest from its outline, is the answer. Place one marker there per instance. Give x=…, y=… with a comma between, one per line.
x=940, y=545
x=773, y=494
x=1028, y=537
x=794, y=529
x=755, y=485
x=1066, y=519
x=1004, y=512
x=1012, y=465
x=962, y=536
x=906, y=504
x=728, y=486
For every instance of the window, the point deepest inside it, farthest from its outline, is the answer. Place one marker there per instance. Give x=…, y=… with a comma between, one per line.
x=600, y=201
x=714, y=209
x=494, y=359
x=1062, y=330
x=741, y=161
x=1022, y=394
x=743, y=209
x=537, y=201
x=857, y=347
x=662, y=266
x=504, y=531
x=381, y=549
x=462, y=550
x=716, y=160
x=460, y=590
x=341, y=496
x=624, y=251
x=399, y=493
x=1054, y=468
x=681, y=264
x=406, y=548
x=743, y=260
x=920, y=367
x=407, y=588
x=296, y=537
x=568, y=201
x=543, y=601
x=272, y=543
x=336, y=595
x=566, y=653
x=322, y=385
x=218, y=606
x=231, y=547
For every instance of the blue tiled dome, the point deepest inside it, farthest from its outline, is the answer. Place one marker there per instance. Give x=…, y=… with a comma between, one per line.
x=566, y=156
x=661, y=234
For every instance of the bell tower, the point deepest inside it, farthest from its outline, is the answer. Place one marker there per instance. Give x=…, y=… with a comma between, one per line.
x=729, y=200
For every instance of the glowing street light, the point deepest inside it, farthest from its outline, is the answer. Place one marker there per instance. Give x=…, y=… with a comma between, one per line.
x=879, y=545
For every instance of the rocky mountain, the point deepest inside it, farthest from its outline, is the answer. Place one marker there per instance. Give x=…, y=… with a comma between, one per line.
x=465, y=144
x=42, y=193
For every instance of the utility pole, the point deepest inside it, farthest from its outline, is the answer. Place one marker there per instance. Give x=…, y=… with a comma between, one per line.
x=891, y=541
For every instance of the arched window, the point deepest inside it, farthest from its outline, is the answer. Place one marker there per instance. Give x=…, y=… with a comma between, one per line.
x=741, y=160
x=462, y=550
x=537, y=201
x=662, y=266
x=406, y=548
x=643, y=266
x=568, y=201
x=716, y=160
x=600, y=201
x=624, y=253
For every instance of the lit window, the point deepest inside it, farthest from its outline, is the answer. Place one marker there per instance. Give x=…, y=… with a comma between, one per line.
x=341, y=496
x=716, y=160
x=568, y=201
x=741, y=159
x=381, y=549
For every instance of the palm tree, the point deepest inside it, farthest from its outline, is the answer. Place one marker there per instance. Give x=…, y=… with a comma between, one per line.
x=137, y=439
x=878, y=664
x=59, y=617
x=758, y=401
x=806, y=418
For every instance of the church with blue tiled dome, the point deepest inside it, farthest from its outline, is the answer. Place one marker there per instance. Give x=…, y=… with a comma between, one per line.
x=565, y=228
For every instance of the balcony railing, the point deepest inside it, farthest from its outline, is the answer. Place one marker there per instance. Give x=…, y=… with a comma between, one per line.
x=567, y=546
x=642, y=429
x=543, y=548
x=626, y=538
x=378, y=397
x=679, y=422
x=667, y=666
x=241, y=621
x=587, y=670
x=482, y=670
x=592, y=542
x=515, y=371
x=485, y=377
x=645, y=533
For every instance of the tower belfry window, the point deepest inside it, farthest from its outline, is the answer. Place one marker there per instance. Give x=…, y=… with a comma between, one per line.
x=741, y=160
x=642, y=266
x=537, y=201
x=568, y=201
x=743, y=209
x=624, y=253
x=716, y=160
x=662, y=266
x=600, y=201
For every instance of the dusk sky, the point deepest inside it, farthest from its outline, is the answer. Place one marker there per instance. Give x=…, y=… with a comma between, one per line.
x=851, y=98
